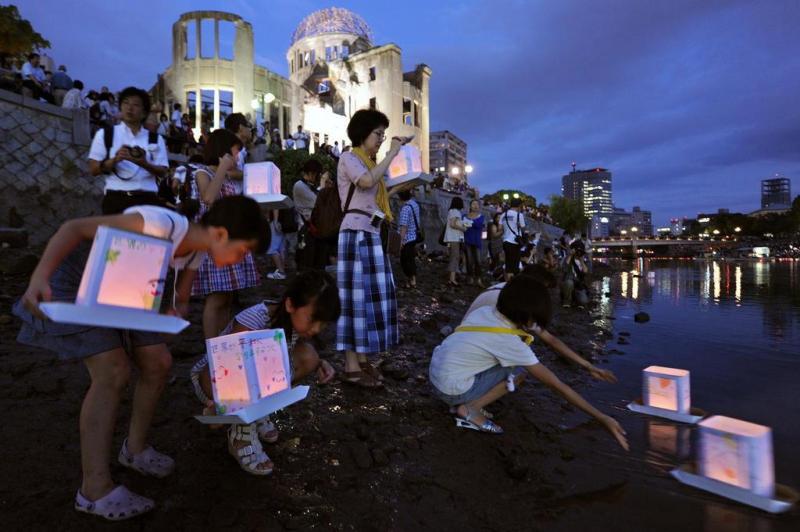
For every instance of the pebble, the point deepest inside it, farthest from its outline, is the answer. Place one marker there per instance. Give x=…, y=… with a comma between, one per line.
x=641, y=317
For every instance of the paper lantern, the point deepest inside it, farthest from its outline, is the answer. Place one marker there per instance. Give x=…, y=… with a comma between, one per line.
x=250, y=376
x=262, y=182
x=666, y=388
x=738, y=453
x=122, y=285
x=407, y=166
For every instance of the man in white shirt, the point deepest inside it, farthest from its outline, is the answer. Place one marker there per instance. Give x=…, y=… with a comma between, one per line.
x=300, y=139
x=131, y=160
x=73, y=99
x=239, y=125
x=513, y=223
x=335, y=151
x=177, y=116
x=33, y=77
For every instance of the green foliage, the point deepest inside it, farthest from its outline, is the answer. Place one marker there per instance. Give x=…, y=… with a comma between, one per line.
x=497, y=197
x=726, y=223
x=17, y=36
x=291, y=163
x=567, y=214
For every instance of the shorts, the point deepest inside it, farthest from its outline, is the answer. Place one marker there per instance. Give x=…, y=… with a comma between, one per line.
x=484, y=381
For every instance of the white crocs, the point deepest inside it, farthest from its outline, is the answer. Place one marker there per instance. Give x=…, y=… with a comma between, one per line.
x=148, y=462
x=118, y=505
x=252, y=455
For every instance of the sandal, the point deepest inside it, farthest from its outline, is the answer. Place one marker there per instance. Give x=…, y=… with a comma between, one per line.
x=484, y=413
x=117, y=505
x=251, y=456
x=267, y=432
x=359, y=378
x=371, y=371
x=148, y=462
x=487, y=426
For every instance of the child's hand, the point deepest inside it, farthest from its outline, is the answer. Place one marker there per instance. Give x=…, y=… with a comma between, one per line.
x=37, y=291
x=616, y=430
x=325, y=372
x=603, y=374
x=211, y=410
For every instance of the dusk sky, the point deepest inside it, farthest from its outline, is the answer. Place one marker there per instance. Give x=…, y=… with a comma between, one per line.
x=689, y=103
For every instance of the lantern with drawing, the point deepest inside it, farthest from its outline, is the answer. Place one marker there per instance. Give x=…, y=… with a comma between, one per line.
x=262, y=182
x=407, y=166
x=122, y=285
x=250, y=376
x=666, y=393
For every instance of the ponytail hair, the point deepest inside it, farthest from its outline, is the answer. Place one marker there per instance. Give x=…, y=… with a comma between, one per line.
x=241, y=217
x=309, y=287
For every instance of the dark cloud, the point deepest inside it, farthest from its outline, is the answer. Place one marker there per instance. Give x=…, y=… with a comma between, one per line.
x=689, y=103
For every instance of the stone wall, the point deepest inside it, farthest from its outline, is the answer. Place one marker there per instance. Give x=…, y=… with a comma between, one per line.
x=43, y=170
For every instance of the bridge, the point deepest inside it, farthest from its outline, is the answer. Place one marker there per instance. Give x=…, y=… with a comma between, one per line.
x=653, y=241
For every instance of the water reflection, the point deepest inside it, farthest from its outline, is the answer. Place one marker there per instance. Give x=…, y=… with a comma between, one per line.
x=668, y=443
x=726, y=518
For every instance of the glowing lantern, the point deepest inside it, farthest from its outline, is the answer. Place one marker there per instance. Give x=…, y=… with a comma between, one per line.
x=250, y=376
x=737, y=452
x=262, y=182
x=407, y=166
x=667, y=388
x=122, y=285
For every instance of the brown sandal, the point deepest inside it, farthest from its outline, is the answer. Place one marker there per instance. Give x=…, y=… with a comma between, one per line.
x=359, y=378
x=371, y=371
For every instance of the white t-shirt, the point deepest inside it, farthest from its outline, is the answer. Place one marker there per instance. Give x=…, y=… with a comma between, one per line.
x=451, y=234
x=129, y=176
x=300, y=139
x=512, y=223
x=169, y=225
x=37, y=72
x=177, y=118
x=463, y=355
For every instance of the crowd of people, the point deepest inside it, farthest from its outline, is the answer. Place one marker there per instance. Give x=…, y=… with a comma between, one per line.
x=340, y=226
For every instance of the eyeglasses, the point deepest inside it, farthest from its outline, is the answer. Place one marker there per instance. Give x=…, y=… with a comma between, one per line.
x=379, y=134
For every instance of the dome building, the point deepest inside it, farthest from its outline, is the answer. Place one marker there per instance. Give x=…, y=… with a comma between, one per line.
x=334, y=69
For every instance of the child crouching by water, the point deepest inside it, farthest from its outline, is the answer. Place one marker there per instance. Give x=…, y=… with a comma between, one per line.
x=309, y=304
x=489, y=354
x=231, y=228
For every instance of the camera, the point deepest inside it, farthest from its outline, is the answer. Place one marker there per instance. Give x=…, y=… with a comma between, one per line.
x=135, y=151
x=377, y=218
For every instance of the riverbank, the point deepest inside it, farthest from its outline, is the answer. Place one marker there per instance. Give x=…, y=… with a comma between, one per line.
x=347, y=459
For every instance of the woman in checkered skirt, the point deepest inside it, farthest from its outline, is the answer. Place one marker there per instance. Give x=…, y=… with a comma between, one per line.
x=368, y=322
x=209, y=183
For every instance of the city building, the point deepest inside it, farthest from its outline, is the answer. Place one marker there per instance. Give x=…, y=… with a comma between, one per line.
x=448, y=154
x=590, y=187
x=637, y=221
x=334, y=70
x=776, y=193
x=677, y=226
x=600, y=226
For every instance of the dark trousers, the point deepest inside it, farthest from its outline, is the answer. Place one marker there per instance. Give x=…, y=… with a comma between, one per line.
x=408, y=255
x=473, y=260
x=116, y=201
x=512, y=257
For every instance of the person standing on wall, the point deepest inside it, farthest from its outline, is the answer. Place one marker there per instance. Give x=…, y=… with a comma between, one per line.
x=513, y=235
x=410, y=235
x=130, y=158
x=300, y=139
x=61, y=84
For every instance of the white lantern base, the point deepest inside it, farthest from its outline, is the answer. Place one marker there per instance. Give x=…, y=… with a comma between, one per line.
x=273, y=201
x=691, y=418
x=113, y=317
x=785, y=497
x=259, y=409
x=417, y=179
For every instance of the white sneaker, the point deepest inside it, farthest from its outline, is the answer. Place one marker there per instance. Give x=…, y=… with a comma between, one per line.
x=277, y=274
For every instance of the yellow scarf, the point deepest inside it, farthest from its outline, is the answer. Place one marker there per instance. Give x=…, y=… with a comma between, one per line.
x=525, y=337
x=382, y=198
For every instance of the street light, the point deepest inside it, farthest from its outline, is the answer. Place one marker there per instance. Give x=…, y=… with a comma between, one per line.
x=254, y=103
x=716, y=231
x=269, y=98
x=468, y=169
x=455, y=170
x=737, y=229
x=516, y=195
x=505, y=197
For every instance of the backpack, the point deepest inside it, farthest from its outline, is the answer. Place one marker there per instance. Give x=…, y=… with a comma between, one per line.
x=327, y=216
x=189, y=205
x=287, y=219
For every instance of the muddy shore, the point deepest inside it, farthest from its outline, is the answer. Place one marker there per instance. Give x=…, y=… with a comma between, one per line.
x=347, y=459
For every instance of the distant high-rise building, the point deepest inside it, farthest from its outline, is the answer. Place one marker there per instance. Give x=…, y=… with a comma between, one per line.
x=643, y=220
x=448, y=154
x=590, y=187
x=776, y=193
x=677, y=226
x=623, y=220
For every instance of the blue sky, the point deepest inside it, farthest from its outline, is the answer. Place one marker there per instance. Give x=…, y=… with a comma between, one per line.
x=689, y=103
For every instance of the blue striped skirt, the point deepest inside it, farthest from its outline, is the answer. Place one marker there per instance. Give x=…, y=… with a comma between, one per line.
x=368, y=323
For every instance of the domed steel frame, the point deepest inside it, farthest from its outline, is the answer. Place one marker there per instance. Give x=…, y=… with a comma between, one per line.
x=332, y=20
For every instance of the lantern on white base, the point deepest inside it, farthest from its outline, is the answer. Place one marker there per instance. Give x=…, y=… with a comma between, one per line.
x=262, y=182
x=250, y=376
x=122, y=285
x=738, y=453
x=407, y=166
x=666, y=388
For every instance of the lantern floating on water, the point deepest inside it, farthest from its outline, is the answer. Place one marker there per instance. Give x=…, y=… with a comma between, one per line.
x=407, y=166
x=735, y=461
x=122, y=285
x=666, y=393
x=262, y=182
x=250, y=376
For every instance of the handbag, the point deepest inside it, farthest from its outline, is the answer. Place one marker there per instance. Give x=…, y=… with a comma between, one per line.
x=418, y=230
x=395, y=243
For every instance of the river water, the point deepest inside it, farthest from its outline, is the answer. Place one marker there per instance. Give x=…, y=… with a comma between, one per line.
x=736, y=326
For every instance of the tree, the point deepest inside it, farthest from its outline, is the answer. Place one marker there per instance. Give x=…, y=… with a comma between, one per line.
x=567, y=214
x=17, y=36
x=499, y=197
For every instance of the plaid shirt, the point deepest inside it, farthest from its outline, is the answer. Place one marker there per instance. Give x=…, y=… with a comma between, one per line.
x=407, y=213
